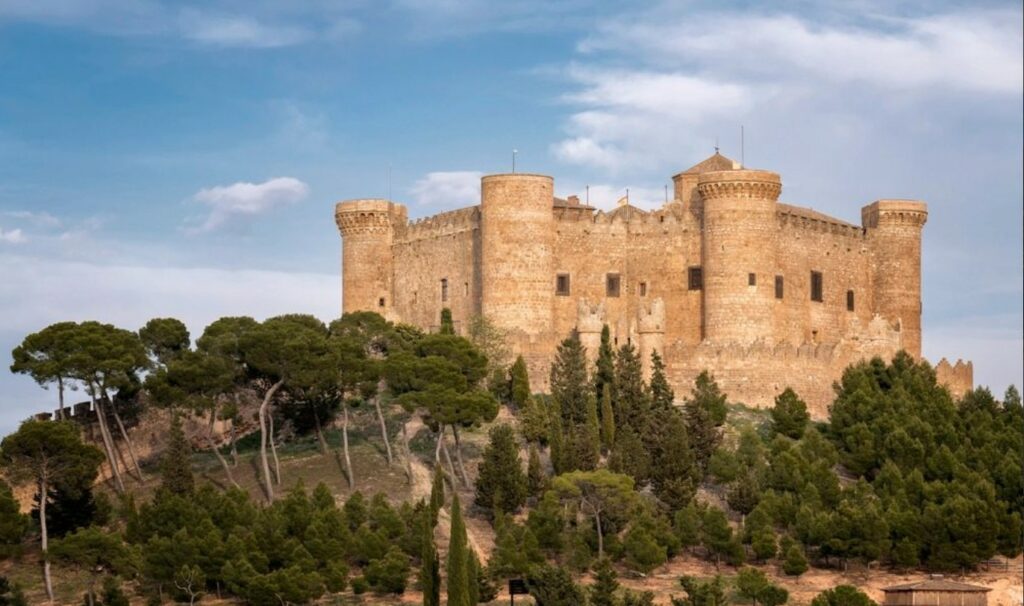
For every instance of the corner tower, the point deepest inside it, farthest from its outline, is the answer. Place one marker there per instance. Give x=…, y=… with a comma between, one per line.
x=893, y=229
x=367, y=232
x=737, y=256
x=517, y=240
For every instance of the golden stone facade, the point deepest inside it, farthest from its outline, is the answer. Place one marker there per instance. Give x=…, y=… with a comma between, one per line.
x=723, y=277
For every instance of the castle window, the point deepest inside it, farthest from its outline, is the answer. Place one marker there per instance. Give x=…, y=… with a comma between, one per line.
x=849, y=300
x=380, y=302
x=779, y=287
x=611, y=285
x=641, y=289
x=444, y=290
x=817, y=293
x=751, y=279
x=465, y=288
x=695, y=278
x=562, y=285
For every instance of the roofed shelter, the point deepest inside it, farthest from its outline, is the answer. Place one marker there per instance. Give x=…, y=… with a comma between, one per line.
x=936, y=592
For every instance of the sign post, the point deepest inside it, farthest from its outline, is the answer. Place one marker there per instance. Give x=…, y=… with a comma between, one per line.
x=516, y=587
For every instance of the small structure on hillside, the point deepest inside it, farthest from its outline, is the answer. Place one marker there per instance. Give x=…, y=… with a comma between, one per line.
x=936, y=591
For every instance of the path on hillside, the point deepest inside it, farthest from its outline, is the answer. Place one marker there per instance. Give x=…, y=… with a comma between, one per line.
x=421, y=481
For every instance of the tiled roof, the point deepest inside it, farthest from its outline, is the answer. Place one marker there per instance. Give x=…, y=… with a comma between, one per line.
x=937, y=585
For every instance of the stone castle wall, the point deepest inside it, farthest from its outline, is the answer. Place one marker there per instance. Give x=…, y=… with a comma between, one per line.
x=539, y=268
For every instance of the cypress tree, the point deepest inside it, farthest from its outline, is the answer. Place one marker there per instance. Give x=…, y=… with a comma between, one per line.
x=458, y=575
x=533, y=421
x=604, y=374
x=520, y=383
x=430, y=571
x=501, y=482
x=535, y=478
x=662, y=396
x=607, y=418
x=473, y=575
x=436, y=495
x=447, y=324
x=703, y=409
x=629, y=400
x=569, y=381
x=176, y=467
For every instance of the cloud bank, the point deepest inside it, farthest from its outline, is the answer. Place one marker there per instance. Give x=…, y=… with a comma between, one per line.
x=243, y=199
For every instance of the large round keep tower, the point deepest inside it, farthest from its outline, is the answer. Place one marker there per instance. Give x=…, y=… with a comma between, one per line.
x=894, y=232
x=737, y=264
x=517, y=240
x=367, y=232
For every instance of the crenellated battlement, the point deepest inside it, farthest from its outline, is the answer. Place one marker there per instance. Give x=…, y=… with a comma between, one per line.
x=957, y=378
x=364, y=217
x=911, y=213
x=803, y=219
x=739, y=184
x=442, y=224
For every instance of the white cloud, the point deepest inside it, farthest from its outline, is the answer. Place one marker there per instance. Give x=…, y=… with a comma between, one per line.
x=12, y=236
x=447, y=189
x=239, y=31
x=41, y=219
x=244, y=199
x=37, y=292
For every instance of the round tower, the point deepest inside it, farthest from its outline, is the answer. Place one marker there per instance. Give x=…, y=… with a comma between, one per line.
x=367, y=270
x=517, y=228
x=737, y=253
x=893, y=230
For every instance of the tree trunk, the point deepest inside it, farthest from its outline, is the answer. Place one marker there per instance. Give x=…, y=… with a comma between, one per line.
x=320, y=432
x=458, y=455
x=127, y=439
x=44, y=537
x=216, y=451
x=437, y=449
x=408, y=453
x=344, y=445
x=234, y=435
x=108, y=442
x=273, y=449
x=448, y=457
x=383, y=427
x=600, y=535
x=60, y=397
x=267, y=483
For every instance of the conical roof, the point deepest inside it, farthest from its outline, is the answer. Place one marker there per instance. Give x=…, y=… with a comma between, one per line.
x=712, y=163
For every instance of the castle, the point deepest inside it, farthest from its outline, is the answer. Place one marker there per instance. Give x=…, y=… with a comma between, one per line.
x=723, y=277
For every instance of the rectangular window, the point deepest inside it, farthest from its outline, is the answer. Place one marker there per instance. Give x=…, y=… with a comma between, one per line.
x=380, y=302
x=465, y=289
x=444, y=290
x=694, y=278
x=779, y=287
x=611, y=285
x=817, y=293
x=562, y=285
x=849, y=300
x=641, y=289
x=751, y=279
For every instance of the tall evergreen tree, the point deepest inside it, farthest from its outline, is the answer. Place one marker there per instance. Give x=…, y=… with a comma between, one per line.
x=662, y=396
x=789, y=415
x=447, y=324
x=501, y=483
x=436, y=494
x=630, y=399
x=176, y=466
x=458, y=557
x=607, y=418
x=602, y=592
x=705, y=411
x=473, y=577
x=569, y=381
x=520, y=379
x=604, y=373
x=535, y=476
x=430, y=571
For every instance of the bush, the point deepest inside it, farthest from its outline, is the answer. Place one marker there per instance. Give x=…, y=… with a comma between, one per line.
x=360, y=585
x=389, y=574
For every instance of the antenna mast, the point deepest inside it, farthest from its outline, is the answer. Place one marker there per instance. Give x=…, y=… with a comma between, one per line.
x=514, y=152
x=743, y=148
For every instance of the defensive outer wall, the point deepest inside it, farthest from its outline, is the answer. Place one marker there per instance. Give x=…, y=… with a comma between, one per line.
x=723, y=277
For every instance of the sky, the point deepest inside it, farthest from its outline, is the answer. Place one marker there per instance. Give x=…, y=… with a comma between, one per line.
x=174, y=158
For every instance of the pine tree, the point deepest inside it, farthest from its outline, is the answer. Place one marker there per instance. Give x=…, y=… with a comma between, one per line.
x=457, y=573
x=535, y=477
x=534, y=423
x=673, y=470
x=176, y=467
x=569, y=381
x=430, y=571
x=447, y=324
x=703, y=410
x=789, y=415
x=602, y=592
x=662, y=396
x=520, y=383
x=795, y=563
x=607, y=418
x=501, y=482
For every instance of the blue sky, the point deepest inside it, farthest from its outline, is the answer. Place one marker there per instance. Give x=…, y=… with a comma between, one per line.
x=175, y=158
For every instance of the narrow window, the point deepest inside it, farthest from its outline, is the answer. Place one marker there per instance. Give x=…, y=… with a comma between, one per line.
x=562, y=285
x=641, y=289
x=380, y=302
x=849, y=300
x=779, y=287
x=465, y=288
x=695, y=279
x=816, y=287
x=611, y=285
x=444, y=290
x=751, y=279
